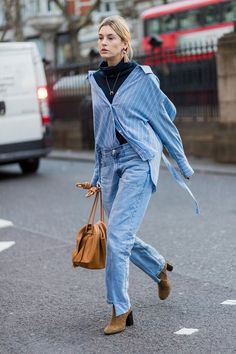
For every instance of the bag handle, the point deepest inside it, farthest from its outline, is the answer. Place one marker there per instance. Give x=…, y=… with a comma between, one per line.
x=94, y=208
x=102, y=217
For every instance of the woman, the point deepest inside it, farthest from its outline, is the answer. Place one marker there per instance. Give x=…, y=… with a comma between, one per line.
x=132, y=122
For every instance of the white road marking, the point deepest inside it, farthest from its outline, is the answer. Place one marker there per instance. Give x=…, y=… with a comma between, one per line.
x=229, y=302
x=6, y=244
x=5, y=223
x=187, y=331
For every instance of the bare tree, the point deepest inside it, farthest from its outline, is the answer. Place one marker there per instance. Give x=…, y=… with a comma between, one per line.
x=18, y=26
x=7, y=11
x=75, y=24
x=13, y=19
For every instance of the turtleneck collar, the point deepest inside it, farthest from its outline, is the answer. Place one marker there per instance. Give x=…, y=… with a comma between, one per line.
x=113, y=70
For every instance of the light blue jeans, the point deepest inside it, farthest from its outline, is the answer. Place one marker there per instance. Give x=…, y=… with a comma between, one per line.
x=126, y=189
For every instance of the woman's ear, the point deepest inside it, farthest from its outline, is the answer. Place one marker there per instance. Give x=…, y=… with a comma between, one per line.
x=125, y=45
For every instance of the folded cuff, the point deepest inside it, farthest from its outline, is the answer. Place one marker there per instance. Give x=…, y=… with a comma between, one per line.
x=185, y=168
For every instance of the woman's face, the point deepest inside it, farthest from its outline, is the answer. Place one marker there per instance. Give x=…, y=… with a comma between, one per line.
x=110, y=45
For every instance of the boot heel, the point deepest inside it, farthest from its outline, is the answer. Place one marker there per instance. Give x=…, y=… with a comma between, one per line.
x=129, y=319
x=169, y=267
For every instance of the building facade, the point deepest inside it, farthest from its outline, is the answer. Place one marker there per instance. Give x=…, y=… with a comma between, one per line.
x=42, y=21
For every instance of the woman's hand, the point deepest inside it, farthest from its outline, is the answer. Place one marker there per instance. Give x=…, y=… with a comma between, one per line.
x=86, y=185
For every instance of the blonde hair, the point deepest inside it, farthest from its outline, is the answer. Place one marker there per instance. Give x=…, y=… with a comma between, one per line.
x=120, y=26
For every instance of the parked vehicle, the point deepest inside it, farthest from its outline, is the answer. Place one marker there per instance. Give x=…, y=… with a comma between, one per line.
x=71, y=85
x=187, y=23
x=25, y=134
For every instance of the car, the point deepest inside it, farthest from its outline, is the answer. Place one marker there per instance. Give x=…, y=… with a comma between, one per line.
x=71, y=85
x=25, y=129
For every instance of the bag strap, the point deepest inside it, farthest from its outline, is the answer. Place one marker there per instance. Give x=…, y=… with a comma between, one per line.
x=92, y=214
x=102, y=217
x=93, y=209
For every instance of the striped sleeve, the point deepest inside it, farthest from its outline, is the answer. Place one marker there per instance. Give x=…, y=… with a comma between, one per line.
x=162, y=123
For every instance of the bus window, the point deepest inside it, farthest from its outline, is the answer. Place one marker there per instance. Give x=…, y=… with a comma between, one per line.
x=152, y=26
x=189, y=19
x=228, y=12
x=169, y=23
x=212, y=14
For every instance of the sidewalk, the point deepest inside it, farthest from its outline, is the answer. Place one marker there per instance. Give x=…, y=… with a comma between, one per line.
x=199, y=165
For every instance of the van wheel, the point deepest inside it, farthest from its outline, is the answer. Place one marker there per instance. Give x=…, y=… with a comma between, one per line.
x=30, y=165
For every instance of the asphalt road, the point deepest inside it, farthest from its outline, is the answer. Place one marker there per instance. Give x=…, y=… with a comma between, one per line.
x=47, y=307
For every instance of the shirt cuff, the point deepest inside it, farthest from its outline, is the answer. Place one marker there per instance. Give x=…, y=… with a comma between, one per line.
x=95, y=178
x=94, y=181
x=185, y=168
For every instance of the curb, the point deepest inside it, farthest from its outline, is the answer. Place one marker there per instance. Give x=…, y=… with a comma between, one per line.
x=204, y=166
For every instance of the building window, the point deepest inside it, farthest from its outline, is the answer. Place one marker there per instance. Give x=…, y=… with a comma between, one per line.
x=107, y=6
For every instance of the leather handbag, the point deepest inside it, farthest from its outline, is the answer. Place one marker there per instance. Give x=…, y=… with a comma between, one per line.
x=90, y=250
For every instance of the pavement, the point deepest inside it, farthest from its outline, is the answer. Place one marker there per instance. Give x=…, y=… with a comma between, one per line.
x=48, y=307
x=200, y=165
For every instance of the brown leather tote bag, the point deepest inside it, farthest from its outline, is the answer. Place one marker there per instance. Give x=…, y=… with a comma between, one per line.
x=90, y=250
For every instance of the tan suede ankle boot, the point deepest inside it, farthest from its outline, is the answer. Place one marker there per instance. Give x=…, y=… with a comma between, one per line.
x=119, y=323
x=164, y=287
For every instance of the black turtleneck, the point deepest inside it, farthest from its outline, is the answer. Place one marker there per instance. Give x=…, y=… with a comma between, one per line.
x=109, y=73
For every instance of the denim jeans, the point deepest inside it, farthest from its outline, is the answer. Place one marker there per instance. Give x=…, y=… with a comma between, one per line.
x=126, y=189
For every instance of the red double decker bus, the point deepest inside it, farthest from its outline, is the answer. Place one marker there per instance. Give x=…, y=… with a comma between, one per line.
x=187, y=23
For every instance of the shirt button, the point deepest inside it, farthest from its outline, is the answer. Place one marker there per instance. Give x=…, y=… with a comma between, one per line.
x=113, y=152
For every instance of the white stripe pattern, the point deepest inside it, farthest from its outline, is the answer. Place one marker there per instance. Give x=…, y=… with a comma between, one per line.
x=141, y=113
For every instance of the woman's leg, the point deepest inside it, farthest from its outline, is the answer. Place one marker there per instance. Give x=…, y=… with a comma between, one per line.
x=125, y=217
x=147, y=258
x=144, y=256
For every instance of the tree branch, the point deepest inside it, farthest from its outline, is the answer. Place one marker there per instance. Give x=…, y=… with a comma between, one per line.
x=4, y=29
x=75, y=23
x=84, y=20
x=8, y=18
x=63, y=9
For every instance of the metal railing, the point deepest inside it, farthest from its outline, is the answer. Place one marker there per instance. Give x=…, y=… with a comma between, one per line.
x=187, y=75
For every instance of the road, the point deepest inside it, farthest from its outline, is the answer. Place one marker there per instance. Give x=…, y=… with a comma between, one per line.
x=49, y=307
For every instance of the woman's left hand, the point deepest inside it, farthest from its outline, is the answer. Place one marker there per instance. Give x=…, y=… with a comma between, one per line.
x=87, y=185
x=83, y=185
x=91, y=191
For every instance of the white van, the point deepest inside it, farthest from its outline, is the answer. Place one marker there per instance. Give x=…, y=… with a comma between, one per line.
x=25, y=133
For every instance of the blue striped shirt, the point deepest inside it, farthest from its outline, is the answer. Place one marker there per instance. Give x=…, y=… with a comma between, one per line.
x=144, y=115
